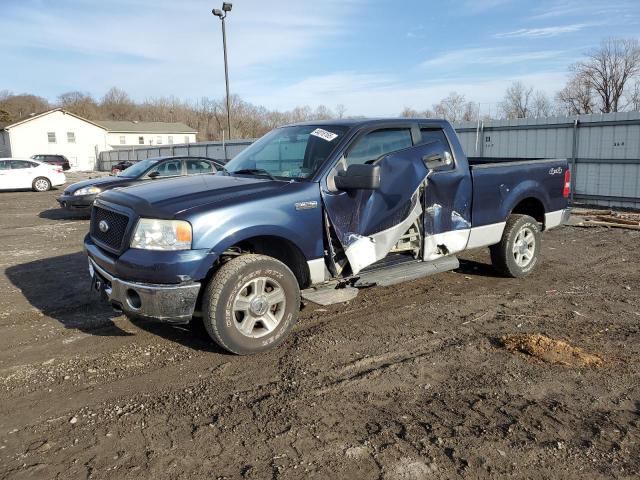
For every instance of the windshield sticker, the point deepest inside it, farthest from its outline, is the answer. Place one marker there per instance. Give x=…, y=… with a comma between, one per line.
x=319, y=132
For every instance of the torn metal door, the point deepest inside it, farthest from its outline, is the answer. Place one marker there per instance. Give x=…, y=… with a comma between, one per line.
x=447, y=218
x=368, y=223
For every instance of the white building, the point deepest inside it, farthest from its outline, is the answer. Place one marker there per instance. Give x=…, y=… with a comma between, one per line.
x=127, y=134
x=80, y=140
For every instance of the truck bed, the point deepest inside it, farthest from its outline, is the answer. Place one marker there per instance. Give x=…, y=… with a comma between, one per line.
x=498, y=186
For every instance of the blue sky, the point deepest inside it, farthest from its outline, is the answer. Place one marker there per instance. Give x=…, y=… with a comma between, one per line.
x=375, y=57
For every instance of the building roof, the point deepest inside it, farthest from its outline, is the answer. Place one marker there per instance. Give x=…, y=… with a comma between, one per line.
x=127, y=126
x=117, y=126
x=66, y=112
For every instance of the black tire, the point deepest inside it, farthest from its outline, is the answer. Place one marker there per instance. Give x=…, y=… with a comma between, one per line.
x=230, y=287
x=503, y=257
x=41, y=184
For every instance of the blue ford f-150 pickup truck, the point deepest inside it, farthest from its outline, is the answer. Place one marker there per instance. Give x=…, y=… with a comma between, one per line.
x=315, y=209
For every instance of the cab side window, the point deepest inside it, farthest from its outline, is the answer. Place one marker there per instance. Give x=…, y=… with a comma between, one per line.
x=170, y=168
x=198, y=167
x=16, y=164
x=377, y=143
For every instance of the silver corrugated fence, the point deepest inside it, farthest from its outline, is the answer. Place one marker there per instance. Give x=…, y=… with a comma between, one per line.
x=216, y=150
x=603, y=150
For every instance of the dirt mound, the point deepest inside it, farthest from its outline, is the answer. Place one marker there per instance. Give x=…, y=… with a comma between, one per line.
x=549, y=350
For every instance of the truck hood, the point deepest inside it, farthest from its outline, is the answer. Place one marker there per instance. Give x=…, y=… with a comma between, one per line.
x=169, y=198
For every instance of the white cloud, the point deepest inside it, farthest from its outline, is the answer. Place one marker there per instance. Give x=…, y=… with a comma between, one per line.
x=542, y=32
x=458, y=59
x=582, y=8
x=145, y=45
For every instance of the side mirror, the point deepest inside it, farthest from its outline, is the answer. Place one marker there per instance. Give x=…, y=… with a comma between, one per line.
x=154, y=174
x=365, y=177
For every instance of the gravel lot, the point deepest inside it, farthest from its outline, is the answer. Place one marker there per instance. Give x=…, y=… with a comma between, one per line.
x=406, y=382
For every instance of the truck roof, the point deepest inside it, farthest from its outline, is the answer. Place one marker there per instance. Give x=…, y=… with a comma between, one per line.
x=360, y=122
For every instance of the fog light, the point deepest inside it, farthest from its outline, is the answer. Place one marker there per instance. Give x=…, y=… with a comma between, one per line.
x=133, y=299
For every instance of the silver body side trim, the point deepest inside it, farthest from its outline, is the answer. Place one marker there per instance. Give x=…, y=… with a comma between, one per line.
x=454, y=240
x=554, y=219
x=485, y=235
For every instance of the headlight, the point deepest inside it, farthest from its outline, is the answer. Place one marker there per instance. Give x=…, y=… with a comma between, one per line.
x=153, y=234
x=87, y=191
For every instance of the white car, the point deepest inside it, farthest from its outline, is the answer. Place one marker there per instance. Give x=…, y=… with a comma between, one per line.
x=17, y=173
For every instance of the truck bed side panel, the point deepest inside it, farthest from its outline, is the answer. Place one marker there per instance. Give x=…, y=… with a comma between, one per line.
x=499, y=187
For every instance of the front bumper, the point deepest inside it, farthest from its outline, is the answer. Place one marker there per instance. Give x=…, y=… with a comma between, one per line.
x=76, y=202
x=168, y=303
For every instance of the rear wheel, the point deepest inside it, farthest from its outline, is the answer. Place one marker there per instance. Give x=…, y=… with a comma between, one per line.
x=251, y=304
x=41, y=184
x=518, y=251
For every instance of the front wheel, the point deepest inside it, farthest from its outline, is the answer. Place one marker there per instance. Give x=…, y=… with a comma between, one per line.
x=518, y=251
x=41, y=184
x=251, y=304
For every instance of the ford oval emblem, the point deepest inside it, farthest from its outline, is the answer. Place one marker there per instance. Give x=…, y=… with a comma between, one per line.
x=103, y=226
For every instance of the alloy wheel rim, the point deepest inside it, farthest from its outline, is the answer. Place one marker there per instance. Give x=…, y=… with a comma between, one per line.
x=524, y=247
x=42, y=185
x=259, y=307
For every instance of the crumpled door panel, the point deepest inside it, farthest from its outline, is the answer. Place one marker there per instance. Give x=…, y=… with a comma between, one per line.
x=368, y=223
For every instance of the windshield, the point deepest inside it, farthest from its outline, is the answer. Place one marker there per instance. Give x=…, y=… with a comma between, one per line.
x=288, y=152
x=139, y=168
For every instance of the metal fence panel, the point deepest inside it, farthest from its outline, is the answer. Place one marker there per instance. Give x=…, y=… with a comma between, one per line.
x=215, y=150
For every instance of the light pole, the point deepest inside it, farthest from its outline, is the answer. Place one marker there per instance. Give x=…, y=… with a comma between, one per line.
x=222, y=14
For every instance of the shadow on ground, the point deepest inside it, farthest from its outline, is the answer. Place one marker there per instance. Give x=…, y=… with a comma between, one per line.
x=59, y=288
x=471, y=267
x=63, y=214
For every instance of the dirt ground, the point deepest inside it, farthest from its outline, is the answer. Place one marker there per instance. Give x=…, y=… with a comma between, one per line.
x=435, y=378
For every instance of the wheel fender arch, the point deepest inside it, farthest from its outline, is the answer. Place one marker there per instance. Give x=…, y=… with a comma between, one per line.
x=529, y=189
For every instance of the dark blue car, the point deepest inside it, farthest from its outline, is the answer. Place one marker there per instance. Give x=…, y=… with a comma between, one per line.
x=80, y=195
x=315, y=210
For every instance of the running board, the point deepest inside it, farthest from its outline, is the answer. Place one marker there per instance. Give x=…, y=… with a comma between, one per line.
x=406, y=271
x=328, y=294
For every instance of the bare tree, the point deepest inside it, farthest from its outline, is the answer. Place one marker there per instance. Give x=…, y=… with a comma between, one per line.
x=323, y=113
x=82, y=104
x=633, y=97
x=409, y=112
x=117, y=105
x=22, y=106
x=340, y=110
x=471, y=112
x=576, y=97
x=451, y=108
x=608, y=69
x=517, y=101
x=541, y=105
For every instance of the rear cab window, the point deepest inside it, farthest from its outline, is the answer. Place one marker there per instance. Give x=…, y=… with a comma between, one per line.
x=432, y=134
